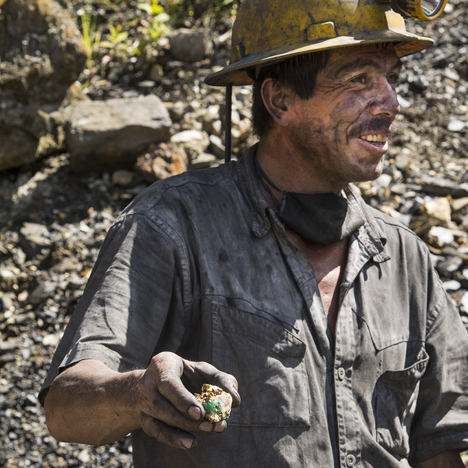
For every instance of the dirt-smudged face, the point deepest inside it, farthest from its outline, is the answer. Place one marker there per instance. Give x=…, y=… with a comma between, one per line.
x=342, y=131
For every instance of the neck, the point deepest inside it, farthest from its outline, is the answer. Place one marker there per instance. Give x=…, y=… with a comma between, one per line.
x=289, y=170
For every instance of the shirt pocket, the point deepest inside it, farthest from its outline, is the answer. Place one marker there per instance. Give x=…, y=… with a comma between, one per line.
x=268, y=362
x=395, y=398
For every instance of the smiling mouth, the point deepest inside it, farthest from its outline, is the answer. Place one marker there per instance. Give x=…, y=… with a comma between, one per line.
x=379, y=138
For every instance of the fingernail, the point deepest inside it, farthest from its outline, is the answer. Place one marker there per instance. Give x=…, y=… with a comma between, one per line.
x=187, y=443
x=194, y=412
x=206, y=426
x=220, y=426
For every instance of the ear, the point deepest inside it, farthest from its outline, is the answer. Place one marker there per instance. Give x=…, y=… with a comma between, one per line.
x=278, y=101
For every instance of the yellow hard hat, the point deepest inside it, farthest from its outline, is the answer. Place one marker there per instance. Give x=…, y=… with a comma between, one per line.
x=268, y=31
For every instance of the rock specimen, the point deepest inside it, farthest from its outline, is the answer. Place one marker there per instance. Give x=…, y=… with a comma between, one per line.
x=109, y=135
x=216, y=403
x=41, y=55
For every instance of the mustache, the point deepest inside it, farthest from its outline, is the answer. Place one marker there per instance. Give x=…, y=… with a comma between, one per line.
x=377, y=125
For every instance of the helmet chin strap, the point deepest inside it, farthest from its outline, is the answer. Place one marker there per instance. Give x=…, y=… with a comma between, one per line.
x=227, y=142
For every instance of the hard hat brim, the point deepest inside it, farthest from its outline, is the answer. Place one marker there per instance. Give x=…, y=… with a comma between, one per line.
x=236, y=74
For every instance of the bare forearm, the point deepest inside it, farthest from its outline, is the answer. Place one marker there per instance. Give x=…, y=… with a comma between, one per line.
x=92, y=404
x=447, y=459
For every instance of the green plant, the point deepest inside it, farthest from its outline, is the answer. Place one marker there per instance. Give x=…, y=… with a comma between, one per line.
x=152, y=9
x=91, y=37
x=116, y=40
x=157, y=27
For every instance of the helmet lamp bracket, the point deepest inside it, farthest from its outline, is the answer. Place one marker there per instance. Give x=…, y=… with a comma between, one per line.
x=421, y=10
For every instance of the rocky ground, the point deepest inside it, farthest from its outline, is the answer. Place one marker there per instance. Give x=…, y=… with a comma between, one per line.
x=52, y=221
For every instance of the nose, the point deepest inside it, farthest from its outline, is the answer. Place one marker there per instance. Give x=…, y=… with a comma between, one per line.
x=384, y=101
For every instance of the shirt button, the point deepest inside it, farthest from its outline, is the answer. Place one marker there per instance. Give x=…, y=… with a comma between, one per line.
x=341, y=373
x=350, y=460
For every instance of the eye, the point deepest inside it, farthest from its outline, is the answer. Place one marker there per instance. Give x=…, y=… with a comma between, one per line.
x=394, y=78
x=359, y=79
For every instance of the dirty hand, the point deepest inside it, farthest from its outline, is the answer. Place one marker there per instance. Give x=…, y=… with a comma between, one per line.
x=169, y=411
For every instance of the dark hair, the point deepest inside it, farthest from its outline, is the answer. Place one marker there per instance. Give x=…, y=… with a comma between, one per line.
x=298, y=73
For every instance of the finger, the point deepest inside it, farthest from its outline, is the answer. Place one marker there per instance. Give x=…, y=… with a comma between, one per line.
x=169, y=369
x=229, y=383
x=162, y=410
x=220, y=427
x=207, y=428
x=210, y=374
x=167, y=435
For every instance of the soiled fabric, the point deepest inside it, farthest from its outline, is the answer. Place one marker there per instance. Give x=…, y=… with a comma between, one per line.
x=323, y=218
x=200, y=265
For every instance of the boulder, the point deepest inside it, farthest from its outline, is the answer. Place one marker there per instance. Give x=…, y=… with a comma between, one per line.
x=110, y=135
x=403, y=161
x=194, y=142
x=161, y=161
x=156, y=73
x=17, y=147
x=459, y=204
x=42, y=292
x=217, y=146
x=384, y=180
x=203, y=161
x=52, y=340
x=123, y=178
x=43, y=49
x=443, y=187
x=451, y=285
x=439, y=236
x=66, y=265
x=456, y=125
x=448, y=266
x=34, y=239
x=41, y=55
x=438, y=209
x=190, y=46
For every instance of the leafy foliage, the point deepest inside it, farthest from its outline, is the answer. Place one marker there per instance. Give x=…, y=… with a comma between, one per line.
x=158, y=24
x=91, y=37
x=153, y=9
x=125, y=38
x=116, y=39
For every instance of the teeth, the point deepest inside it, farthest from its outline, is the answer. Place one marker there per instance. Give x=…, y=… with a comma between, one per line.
x=372, y=138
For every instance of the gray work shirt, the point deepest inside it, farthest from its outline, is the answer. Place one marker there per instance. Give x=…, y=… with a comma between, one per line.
x=200, y=265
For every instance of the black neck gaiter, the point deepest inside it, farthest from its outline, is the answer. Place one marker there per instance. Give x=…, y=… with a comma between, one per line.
x=324, y=218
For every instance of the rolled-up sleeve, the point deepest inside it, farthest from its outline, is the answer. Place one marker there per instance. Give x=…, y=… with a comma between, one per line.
x=441, y=419
x=133, y=290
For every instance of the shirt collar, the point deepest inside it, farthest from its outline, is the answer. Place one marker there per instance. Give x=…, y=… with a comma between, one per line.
x=260, y=223
x=369, y=234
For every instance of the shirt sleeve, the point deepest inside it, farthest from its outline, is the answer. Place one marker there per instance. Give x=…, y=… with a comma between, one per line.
x=441, y=418
x=134, y=289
